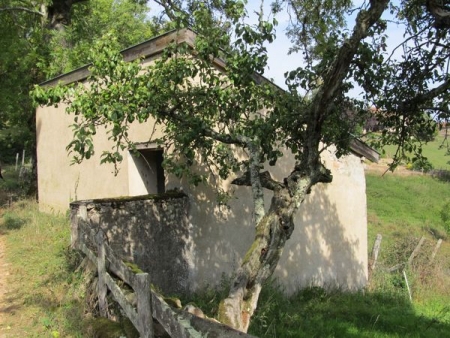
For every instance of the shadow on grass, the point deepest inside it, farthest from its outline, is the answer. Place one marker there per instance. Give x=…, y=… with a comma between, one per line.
x=440, y=175
x=12, y=222
x=315, y=312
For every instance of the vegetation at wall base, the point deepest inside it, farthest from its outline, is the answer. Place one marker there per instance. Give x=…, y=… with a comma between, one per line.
x=383, y=310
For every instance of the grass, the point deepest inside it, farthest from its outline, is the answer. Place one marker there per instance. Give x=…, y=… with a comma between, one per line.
x=315, y=312
x=44, y=301
x=435, y=151
x=407, y=205
x=48, y=296
x=382, y=311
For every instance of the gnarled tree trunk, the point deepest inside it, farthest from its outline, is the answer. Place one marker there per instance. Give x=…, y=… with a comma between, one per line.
x=272, y=232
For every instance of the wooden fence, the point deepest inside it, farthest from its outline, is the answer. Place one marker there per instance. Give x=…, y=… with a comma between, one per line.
x=179, y=324
x=141, y=317
x=402, y=266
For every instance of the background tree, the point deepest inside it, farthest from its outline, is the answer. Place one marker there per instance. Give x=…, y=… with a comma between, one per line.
x=207, y=121
x=43, y=39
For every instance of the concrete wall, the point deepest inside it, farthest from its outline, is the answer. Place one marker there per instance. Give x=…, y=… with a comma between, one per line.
x=152, y=232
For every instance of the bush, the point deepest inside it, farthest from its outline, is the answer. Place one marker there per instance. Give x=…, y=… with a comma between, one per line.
x=421, y=164
x=12, y=222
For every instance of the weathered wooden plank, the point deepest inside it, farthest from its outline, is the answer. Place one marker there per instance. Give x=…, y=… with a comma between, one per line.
x=144, y=306
x=359, y=147
x=87, y=252
x=375, y=251
x=158, y=44
x=170, y=321
x=181, y=324
x=141, y=318
x=415, y=251
x=396, y=267
x=212, y=329
x=146, y=49
x=119, y=268
x=114, y=264
x=436, y=248
x=121, y=299
x=101, y=285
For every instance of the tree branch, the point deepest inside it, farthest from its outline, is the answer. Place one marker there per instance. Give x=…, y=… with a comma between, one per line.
x=337, y=72
x=23, y=9
x=169, y=8
x=422, y=99
x=204, y=131
x=266, y=181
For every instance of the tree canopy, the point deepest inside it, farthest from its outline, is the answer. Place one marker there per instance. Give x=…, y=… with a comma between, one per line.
x=40, y=40
x=340, y=46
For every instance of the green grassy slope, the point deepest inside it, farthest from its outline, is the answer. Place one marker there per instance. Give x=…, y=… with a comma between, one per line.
x=435, y=151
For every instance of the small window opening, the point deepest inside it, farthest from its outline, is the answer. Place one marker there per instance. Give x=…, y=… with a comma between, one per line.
x=149, y=166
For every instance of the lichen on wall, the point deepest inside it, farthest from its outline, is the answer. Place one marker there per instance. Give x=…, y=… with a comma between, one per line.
x=150, y=231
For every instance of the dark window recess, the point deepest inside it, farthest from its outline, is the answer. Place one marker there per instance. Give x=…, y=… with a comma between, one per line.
x=149, y=165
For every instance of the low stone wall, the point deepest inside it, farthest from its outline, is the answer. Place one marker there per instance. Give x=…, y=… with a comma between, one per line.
x=150, y=231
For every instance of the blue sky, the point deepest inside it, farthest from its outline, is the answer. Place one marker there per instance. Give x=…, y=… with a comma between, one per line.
x=279, y=60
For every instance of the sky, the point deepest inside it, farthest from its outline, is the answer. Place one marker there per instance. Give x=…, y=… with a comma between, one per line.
x=279, y=60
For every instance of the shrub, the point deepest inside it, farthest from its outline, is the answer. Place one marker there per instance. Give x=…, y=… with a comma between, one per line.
x=12, y=222
x=420, y=164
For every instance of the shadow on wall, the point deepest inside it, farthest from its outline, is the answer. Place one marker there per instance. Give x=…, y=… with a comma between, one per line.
x=188, y=240
x=322, y=251
x=326, y=248
x=150, y=231
x=221, y=233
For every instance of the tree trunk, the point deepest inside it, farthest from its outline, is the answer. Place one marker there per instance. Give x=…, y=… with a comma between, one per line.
x=59, y=13
x=272, y=232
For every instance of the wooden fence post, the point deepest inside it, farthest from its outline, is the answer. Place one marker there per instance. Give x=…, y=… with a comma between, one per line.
x=144, y=305
x=416, y=251
x=375, y=251
x=101, y=284
x=436, y=248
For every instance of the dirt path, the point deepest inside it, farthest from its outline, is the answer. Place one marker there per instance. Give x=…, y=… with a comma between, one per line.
x=3, y=285
x=382, y=168
x=5, y=305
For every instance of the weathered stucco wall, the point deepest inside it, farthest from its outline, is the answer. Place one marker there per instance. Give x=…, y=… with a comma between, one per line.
x=328, y=246
x=60, y=182
x=152, y=232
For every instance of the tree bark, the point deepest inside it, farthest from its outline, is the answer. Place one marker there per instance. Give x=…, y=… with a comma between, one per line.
x=440, y=13
x=272, y=232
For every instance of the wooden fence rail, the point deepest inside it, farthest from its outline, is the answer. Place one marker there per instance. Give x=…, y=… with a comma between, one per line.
x=179, y=324
x=141, y=317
